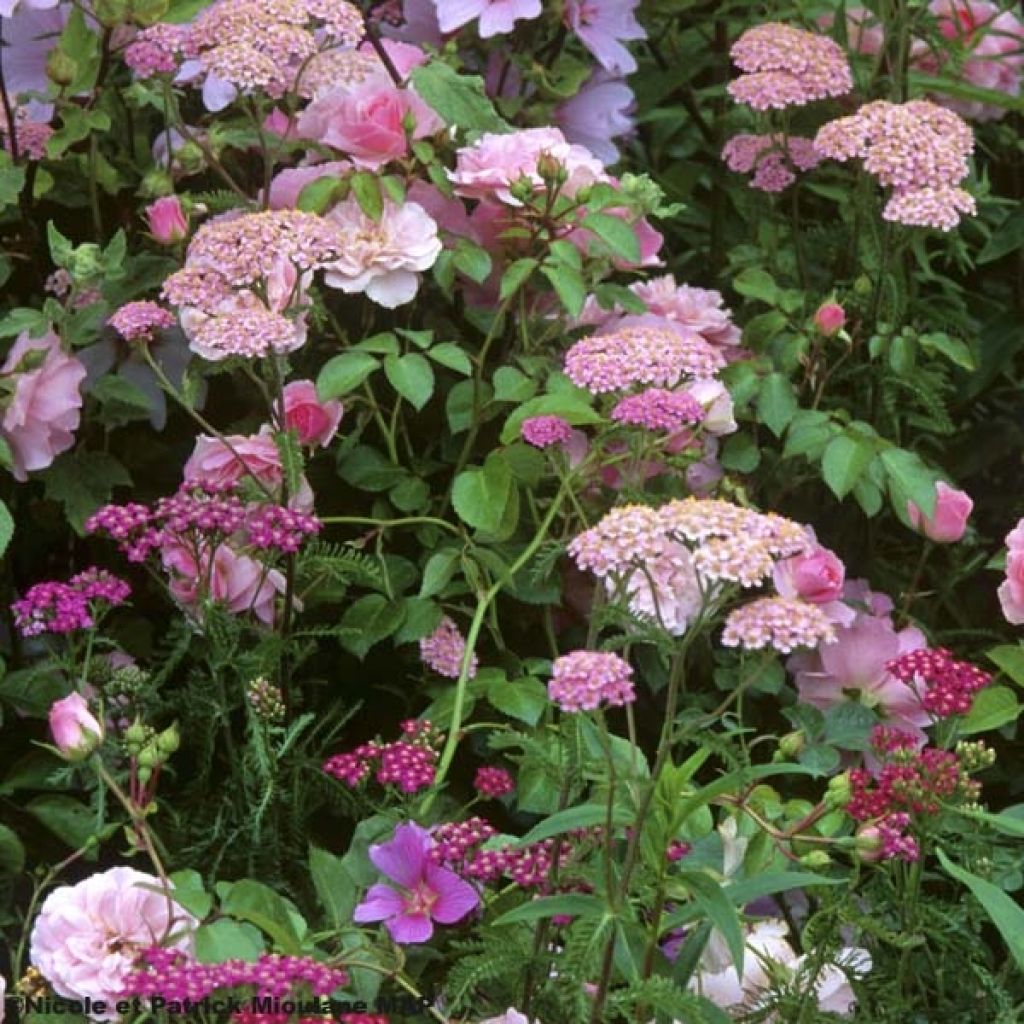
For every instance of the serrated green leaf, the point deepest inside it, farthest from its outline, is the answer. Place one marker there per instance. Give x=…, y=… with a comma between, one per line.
x=993, y=707
x=617, y=234
x=343, y=373
x=844, y=462
x=776, y=403
x=461, y=100
x=412, y=377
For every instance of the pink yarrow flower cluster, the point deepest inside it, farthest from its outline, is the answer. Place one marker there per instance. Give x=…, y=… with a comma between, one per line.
x=785, y=66
x=546, y=431
x=445, y=649
x=587, y=680
x=139, y=321
x=773, y=159
x=493, y=782
x=408, y=763
x=918, y=149
x=62, y=608
x=781, y=623
x=945, y=685
x=658, y=409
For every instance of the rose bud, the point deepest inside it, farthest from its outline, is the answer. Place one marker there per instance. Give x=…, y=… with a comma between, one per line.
x=167, y=221
x=75, y=730
x=949, y=521
x=314, y=422
x=830, y=318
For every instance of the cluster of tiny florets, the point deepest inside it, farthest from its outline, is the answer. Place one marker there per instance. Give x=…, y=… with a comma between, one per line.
x=137, y=321
x=918, y=149
x=61, y=608
x=445, y=649
x=408, y=763
x=945, y=685
x=545, y=431
x=493, y=782
x=773, y=159
x=659, y=409
x=168, y=974
x=640, y=355
x=277, y=528
x=786, y=66
x=781, y=623
x=266, y=700
x=586, y=680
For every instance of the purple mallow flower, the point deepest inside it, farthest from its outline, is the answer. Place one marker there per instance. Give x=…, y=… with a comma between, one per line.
x=425, y=891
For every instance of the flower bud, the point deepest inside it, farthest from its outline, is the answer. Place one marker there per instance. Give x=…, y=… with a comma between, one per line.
x=60, y=68
x=839, y=791
x=156, y=183
x=830, y=318
x=948, y=523
x=75, y=730
x=863, y=285
x=136, y=733
x=521, y=189
x=551, y=169
x=149, y=756
x=167, y=221
x=168, y=741
x=144, y=774
x=869, y=844
x=792, y=744
x=816, y=860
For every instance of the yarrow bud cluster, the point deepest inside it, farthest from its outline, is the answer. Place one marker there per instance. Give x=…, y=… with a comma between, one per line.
x=266, y=700
x=409, y=763
x=786, y=66
x=918, y=149
x=170, y=975
x=61, y=608
x=945, y=685
x=444, y=650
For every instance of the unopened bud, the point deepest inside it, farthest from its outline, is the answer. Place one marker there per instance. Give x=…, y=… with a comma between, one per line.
x=792, y=744
x=829, y=319
x=863, y=285
x=60, y=68
x=869, y=844
x=135, y=733
x=521, y=189
x=839, y=790
x=816, y=860
x=552, y=170
x=144, y=774
x=149, y=757
x=168, y=741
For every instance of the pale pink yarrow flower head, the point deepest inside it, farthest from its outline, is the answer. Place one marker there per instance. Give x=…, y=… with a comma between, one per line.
x=493, y=17
x=40, y=421
x=423, y=893
x=87, y=936
x=587, y=680
x=658, y=409
x=786, y=66
x=383, y=258
x=545, y=431
x=782, y=623
x=139, y=321
x=444, y=651
x=948, y=523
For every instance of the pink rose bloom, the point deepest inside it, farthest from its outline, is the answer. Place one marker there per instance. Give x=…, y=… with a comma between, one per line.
x=599, y=112
x=167, y=221
x=87, y=936
x=496, y=17
x=713, y=395
x=489, y=167
x=237, y=582
x=45, y=410
x=855, y=663
x=1011, y=590
x=75, y=730
x=949, y=521
x=817, y=576
x=314, y=421
x=383, y=258
x=288, y=184
x=830, y=318
x=603, y=26
x=213, y=462
x=368, y=123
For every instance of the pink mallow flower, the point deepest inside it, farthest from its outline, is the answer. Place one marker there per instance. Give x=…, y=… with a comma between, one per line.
x=425, y=891
x=383, y=258
x=314, y=422
x=167, y=221
x=42, y=415
x=368, y=124
x=76, y=731
x=603, y=26
x=87, y=936
x=600, y=112
x=496, y=17
x=1011, y=590
x=949, y=521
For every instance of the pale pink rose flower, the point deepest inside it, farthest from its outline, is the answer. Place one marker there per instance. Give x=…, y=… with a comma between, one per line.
x=949, y=521
x=288, y=184
x=314, y=421
x=222, y=465
x=818, y=575
x=405, y=56
x=45, y=409
x=87, y=936
x=75, y=730
x=368, y=124
x=167, y=221
x=383, y=258
x=1011, y=590
x=241, y=584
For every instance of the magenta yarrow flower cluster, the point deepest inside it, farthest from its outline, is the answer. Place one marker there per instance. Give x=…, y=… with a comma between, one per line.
x=493, y=782
x=444, y=650
x=409, y=763
x=587, y=680
x=918, y=149
x=61, y=608
x=773, y=159
x=946, y=685
x=786, y=66
x=139, y=321
x=167, y=973
x=546, y=431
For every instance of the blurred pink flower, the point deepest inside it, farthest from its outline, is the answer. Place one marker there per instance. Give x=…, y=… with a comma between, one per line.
x=167, y=221
x=87, y=936
x=368, y=124
x=288, y=184
x=496, y=17
x=829, y=318
x=75, y=730
x=314, y=421
x=949, y=521
x=1011, y=590
x=603, y=26
x=384, y=257
x=600, y=112
x=45, y=408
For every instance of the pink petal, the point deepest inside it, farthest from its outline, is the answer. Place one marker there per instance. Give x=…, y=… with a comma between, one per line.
x=381, y=903
x=455, y=897
x=407, y=928
x=402, y=858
